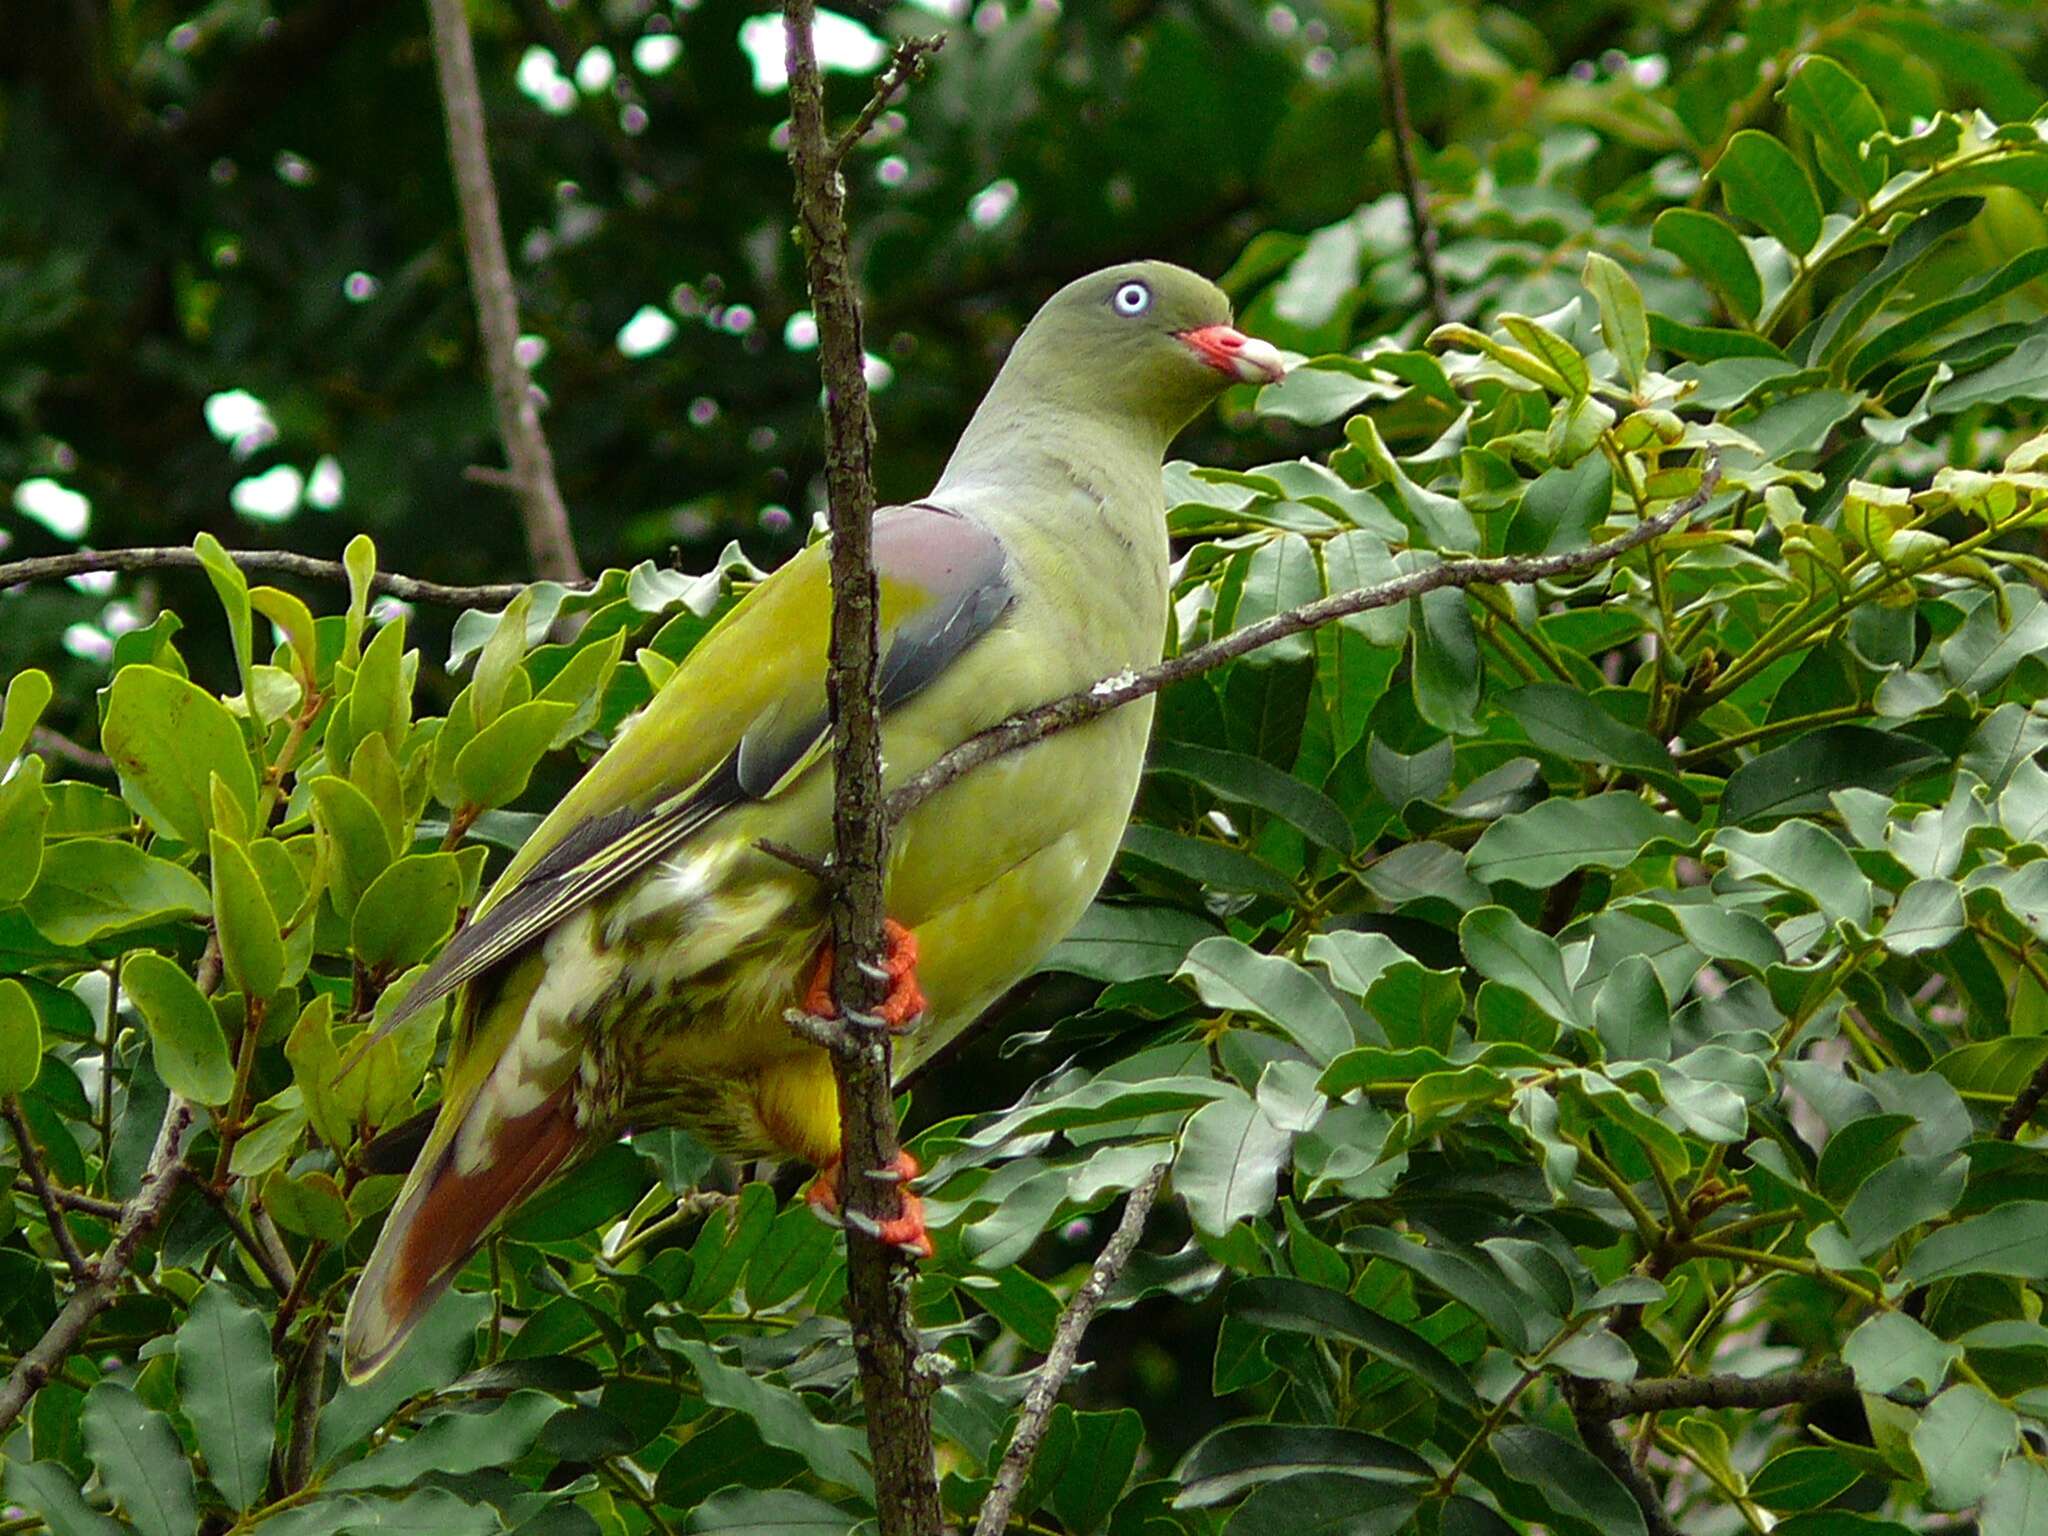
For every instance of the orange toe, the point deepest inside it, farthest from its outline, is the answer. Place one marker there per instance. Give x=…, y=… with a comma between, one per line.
x=905, y=1230
x=901, y=1005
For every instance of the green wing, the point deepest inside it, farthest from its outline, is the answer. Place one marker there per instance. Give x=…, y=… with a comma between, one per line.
x=741, y=717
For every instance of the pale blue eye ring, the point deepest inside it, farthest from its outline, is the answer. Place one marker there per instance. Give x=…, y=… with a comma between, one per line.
x=1131, y=299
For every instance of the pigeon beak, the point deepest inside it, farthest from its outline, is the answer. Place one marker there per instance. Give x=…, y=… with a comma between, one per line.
x=1228, y=350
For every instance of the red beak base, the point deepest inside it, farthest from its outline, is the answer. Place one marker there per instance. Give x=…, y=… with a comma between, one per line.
x=1228, y=350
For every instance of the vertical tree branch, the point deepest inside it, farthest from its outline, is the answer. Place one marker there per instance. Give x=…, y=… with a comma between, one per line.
x=1059, y=1361
x=549, y=547
x=1420, y=230
x=896, y=1396
x=1599, y=1438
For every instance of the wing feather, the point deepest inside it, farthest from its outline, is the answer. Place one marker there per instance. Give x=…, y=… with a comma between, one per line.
x=947, y=576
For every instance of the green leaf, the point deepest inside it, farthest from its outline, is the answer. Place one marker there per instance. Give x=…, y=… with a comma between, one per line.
x=453, y=1444
x=1281, y=574
x=24, y=818
x=1929, y=915
x=1446, y=675
x=251, y=945
x=1561, y=508
x=1540, y=846
x=1912, y=329
x=167, y=739
x=1472, y=1282
x=1801, y=777
x=1891, y=1349
x=1762, y=182
x=1228, y=973
x=50, y=1489
x=140, y=1462
x=1804, y=1477
x=185, y=1036
x=1324, y=1504
x=292, y=616
x=1962, y=1439
x=768, y=1512
x=2011, y=1240
x=28, y=695
x=1246, y=780
x=1624, y=325
x=498, y=660
x=1833, y=106
x=1119, y=942
x=1240, y=1456
x=357, y=835
x=438, y=1352
x=2017, y=1503
x=21, y=1039
x=407, y=911
x=232, y=587
x=494, y=766
x=92, y=887
x=1714, y=254
x=1438, y=521
x=1631, y=1015
x=1569, y=1479
x=1295, y=1306
x=1105, y=1453
x=380, y=702
x=1206, y=862
x=1503, y=947
x=1229, y=1163
x=1804, y=859
x=835, y=1452
x=227, y=1386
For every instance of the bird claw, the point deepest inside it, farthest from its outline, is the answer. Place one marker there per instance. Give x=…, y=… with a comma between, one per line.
x=901, y=1006
x=904, y=1231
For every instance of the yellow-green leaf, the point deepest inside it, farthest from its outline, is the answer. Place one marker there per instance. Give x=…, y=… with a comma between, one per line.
x=251, y=945
x=21, y=1038
x=28, y=695
x=167, y=739
x=184, y=1032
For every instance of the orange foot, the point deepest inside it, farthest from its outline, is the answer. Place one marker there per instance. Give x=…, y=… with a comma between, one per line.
x=905, y=1230
x=904, y=1001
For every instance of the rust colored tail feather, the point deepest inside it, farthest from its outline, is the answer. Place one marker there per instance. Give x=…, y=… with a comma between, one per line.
x=441, y=1219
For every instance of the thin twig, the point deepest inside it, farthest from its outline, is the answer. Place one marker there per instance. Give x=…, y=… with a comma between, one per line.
x=78, y=1200
x=549, y=547
x=1599, y=1437
x=56, y=744
x=1112, y=692
x=906, y=65
x=309, y=1382
x=138, y=1220
x=1420, y=230
x=32, y=1165
x=268, y=562
x=1045, y=1387
x=895, y=1394
x=1781, y=1389
x=280, y=1277
x=2023, y=1105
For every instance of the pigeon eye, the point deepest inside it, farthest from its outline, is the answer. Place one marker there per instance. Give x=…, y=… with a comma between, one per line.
x=1131, y=299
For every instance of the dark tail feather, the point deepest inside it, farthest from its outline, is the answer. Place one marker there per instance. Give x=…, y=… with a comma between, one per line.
x=442, y=1218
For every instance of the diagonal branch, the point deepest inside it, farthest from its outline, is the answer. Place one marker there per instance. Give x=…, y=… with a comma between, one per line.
x=159, y=1182
x=274, y=562
x=1112, y=692
x=1782, y=1389
x=906, y=65
x=1059, y=1361
x=549, y=547
x=32, y=1165
x=895, y=1395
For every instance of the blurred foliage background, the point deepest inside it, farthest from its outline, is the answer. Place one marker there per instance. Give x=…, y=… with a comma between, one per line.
x=232, y=303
